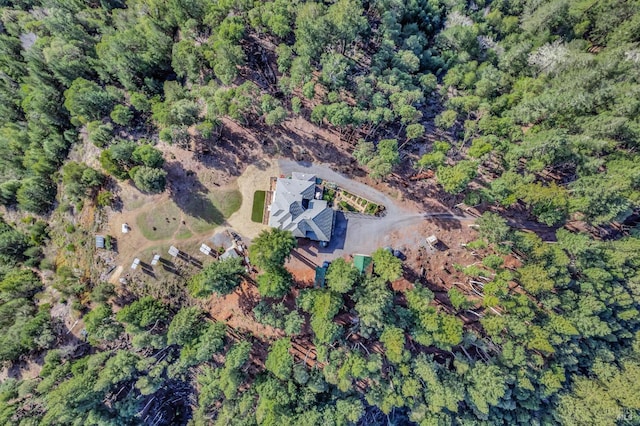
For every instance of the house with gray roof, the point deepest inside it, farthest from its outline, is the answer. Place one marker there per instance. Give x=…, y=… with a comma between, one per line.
x=295, y=208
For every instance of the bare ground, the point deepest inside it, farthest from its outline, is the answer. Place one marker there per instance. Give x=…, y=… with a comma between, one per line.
x=235, y=310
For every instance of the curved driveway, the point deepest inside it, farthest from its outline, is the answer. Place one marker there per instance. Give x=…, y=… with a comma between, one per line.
x=356, y=233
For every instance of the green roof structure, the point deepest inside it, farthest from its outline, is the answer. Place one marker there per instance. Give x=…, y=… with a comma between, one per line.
x=362, y=262
x=320, y=277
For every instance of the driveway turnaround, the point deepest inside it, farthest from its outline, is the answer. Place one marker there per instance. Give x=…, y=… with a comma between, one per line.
x=359, y=233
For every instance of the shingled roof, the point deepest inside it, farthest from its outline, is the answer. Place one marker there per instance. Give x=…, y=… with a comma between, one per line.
x=294, y=209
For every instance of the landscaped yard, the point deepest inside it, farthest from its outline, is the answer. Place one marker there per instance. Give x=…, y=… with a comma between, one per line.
x=354, y=203
x=257, y=210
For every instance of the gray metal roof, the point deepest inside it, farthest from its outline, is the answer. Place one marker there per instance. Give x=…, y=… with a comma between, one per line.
x=287, y=209
x=230, y=253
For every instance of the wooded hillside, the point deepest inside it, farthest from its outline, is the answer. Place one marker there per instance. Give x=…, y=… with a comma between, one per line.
x=526, y=110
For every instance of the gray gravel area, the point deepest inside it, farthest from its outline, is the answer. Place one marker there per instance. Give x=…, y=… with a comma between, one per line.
x=356, y=233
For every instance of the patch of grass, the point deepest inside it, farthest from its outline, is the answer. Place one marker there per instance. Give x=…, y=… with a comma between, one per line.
x=135, y=204
x=183, y=234
x=202, y=212
x=157, y=218
x=227, y=202
x=258, y=206
x=213, y=210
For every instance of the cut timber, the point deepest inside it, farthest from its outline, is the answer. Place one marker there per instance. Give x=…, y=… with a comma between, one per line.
x=424, y=175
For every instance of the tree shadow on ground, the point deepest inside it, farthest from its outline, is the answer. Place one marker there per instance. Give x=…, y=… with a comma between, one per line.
x=190, y=195
x=447, y=223
x=304, y=259
x=247, y=300
x=230, y=152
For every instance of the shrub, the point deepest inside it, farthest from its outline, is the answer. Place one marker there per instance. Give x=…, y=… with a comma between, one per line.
x=104, y=198
x=371, y=208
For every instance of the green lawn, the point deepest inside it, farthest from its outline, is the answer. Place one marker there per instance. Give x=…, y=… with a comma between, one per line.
x=157, y=218
x=201, y=214
x=258, y=206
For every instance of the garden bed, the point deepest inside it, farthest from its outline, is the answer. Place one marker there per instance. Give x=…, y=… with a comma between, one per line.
x=346, y=201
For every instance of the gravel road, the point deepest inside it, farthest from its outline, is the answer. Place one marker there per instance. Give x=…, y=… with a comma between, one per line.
x=355, y=233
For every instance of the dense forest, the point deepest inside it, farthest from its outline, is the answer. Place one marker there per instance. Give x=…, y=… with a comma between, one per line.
x=514, y=105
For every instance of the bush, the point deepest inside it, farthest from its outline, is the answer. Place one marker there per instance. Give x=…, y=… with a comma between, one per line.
x=454, y=179
x=121, y=115
x=36, y=194
x=458, y=300
x=104, y=198
x=477, y=244
x=446, y=120
x=148, y=156
x=8, y=191
x=47, y=264
x=296, y=105
x=329, y=195
x=493, y=262
x=102, y=292
x=148, y=179
x=346, y=206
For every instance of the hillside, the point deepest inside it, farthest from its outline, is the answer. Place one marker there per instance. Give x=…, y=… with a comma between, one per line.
x=509, y=129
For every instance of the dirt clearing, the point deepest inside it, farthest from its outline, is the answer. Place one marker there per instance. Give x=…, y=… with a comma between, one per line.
x=255, y=177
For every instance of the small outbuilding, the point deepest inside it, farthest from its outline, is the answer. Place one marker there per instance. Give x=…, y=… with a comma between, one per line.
x=319, y=281
x=100, y=241
x=230, y=253
x=125, y=228
x=155, y=260
x=363, y=263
